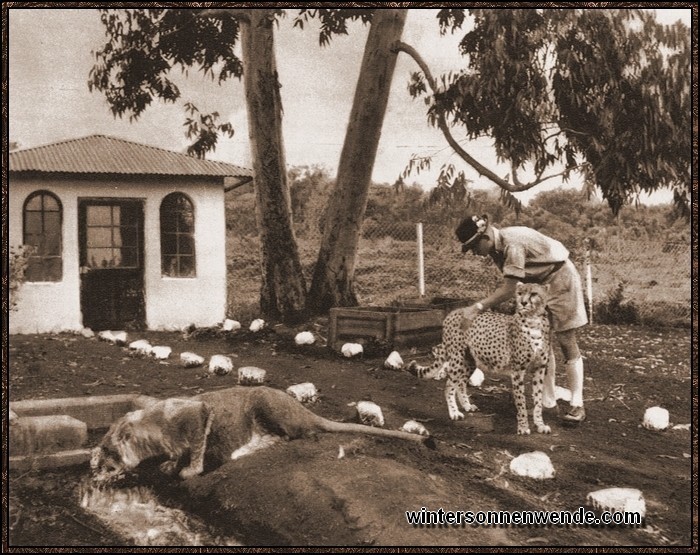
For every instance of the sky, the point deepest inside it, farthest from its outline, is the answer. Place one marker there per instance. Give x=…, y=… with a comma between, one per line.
x=50, y=57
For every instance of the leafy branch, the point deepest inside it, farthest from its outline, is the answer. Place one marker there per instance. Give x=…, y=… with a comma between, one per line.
x=417, y=87
x=205, y=129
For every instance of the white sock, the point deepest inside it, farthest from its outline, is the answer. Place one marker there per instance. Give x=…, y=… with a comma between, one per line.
x=574, y=373
x=549, y=396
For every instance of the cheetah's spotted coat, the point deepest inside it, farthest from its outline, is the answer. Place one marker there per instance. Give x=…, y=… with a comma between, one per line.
x=496, y=342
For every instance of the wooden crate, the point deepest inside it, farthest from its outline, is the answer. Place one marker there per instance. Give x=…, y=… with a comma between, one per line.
x=396, y=326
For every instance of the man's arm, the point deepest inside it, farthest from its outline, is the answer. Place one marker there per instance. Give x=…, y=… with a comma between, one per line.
x=504, y=292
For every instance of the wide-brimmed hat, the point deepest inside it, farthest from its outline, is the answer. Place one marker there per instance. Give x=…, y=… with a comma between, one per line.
x=469, y=229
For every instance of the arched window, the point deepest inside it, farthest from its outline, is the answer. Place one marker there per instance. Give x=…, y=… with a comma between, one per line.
x=42, y=224
x=177, y=236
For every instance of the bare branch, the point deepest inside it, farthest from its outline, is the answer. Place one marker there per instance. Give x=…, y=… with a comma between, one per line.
x=514, y=187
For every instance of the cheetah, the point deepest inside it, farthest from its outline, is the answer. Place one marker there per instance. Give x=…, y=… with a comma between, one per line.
x=496, y=342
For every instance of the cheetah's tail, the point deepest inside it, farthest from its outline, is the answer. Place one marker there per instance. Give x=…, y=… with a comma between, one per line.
x=424, y=372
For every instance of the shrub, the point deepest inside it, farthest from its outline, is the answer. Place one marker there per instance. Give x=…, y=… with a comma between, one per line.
x=19, y=259
x=617, y=308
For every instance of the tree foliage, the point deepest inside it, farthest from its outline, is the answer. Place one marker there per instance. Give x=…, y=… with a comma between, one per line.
x=602, y=91
x=134, y=66
x=204, y=130
x=334, y=21
x=143, y=46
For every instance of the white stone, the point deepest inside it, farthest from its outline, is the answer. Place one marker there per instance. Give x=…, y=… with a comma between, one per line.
x=655, y=418
x=304, y=338
x=351, y=349
x=477, y=378
x=394, y=361
x=535, y=465
x=562, y=393
x=161, y=352
x=120, y=337
x=618, y=500
x=231, y=325
x=141, y=347
x=87, y=332
x=191, y=360
x=257, y=324
x=303, y=392
x=370, y=413
x=220, y=365
x=251, y=375
x=413, y=427
x=106, y=335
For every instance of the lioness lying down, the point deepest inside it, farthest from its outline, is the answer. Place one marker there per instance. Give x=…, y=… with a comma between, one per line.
x=224, y=425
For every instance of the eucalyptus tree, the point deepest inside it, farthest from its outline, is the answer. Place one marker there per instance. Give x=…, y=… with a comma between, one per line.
x=334, y=273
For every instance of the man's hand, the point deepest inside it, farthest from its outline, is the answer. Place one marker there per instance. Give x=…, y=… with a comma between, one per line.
x=469, y=314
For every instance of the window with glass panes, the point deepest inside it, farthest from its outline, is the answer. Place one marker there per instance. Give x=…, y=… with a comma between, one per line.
x=177, y=236
x=112, y=236
x=42, y=222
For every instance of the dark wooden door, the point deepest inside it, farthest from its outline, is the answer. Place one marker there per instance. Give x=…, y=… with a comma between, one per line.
x=111, y=263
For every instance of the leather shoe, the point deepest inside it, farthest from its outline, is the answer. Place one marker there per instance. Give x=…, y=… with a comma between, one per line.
x=575, y=415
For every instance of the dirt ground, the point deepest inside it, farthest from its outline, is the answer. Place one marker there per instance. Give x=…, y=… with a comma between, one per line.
x=628, y=370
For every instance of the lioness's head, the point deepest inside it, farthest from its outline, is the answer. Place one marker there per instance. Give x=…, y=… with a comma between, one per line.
x=127, y=442
x=160, y=432
x=106, y=466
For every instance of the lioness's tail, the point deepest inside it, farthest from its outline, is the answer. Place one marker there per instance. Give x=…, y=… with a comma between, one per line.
x=349, y=427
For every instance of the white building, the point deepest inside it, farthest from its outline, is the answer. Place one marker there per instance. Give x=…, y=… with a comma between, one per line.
x=124, y=236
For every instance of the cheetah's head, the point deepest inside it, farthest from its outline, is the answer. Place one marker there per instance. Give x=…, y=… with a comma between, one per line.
x=531, y=298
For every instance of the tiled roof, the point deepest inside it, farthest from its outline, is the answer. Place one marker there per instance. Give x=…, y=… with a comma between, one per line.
x=109, y=155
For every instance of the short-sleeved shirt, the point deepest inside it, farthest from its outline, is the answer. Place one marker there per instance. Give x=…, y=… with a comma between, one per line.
x=527, y=255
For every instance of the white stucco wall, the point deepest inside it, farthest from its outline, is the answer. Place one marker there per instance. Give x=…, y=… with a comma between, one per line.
x=171, y=303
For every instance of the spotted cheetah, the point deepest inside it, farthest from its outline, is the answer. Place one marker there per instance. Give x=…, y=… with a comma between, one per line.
x=496, y=342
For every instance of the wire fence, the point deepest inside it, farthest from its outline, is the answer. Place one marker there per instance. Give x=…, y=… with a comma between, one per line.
x=627, y=281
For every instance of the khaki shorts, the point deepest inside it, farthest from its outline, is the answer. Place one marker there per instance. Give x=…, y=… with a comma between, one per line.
x=566, y=303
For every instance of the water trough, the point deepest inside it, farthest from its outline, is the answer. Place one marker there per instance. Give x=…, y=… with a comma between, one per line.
x=52, y=433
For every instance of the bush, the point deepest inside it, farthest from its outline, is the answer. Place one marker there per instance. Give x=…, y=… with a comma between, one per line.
x=19, y=259
x=617, y=308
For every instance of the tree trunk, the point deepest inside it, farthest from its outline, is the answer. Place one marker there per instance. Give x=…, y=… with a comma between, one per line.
x=283, y=292
x=333, y=278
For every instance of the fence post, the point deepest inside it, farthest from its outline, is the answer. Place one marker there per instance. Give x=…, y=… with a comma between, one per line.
x=421, y=267
x=589, y=280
